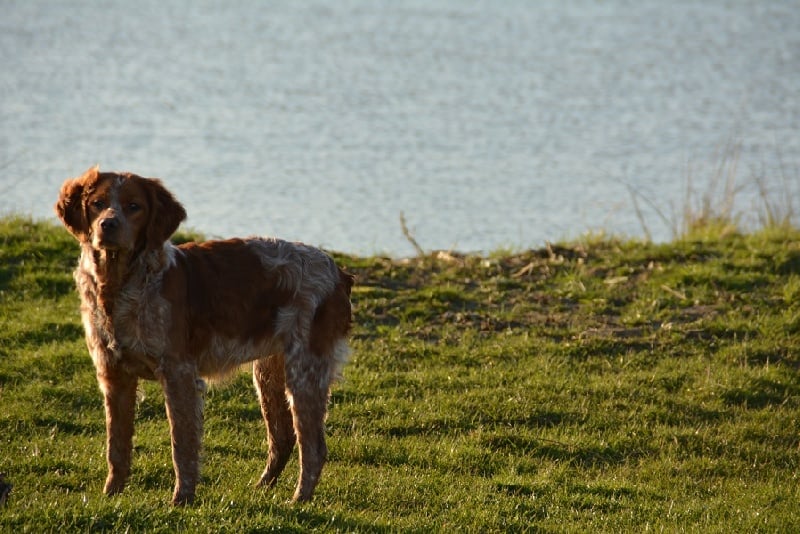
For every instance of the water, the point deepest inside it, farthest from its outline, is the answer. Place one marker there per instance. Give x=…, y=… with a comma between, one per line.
x=488, y=124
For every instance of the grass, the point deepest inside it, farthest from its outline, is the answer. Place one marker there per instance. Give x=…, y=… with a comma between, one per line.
x=599, y=386
x=713, y=208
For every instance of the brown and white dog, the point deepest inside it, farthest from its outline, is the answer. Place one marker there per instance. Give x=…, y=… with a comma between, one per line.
x=200, y=310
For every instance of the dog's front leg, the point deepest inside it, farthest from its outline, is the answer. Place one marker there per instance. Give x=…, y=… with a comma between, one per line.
x=119, y=391
x=184, y=392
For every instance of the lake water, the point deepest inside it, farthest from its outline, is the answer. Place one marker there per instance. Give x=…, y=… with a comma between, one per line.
x=488, y=124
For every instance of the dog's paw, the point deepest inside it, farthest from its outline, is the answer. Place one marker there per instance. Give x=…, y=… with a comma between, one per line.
x=182, y=499
x=114, y=485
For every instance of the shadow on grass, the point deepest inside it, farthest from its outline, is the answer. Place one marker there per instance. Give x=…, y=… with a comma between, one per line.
x=45, y=334
x=73, y=428
x=544, y=419
x=674, y=413
x=579, y=456
x=761, y=393
x=791, y=264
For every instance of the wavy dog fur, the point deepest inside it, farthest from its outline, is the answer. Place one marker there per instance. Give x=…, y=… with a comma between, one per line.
x=155, y=311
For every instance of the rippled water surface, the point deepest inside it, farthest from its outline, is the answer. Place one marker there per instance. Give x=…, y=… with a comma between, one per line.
x=488, y=124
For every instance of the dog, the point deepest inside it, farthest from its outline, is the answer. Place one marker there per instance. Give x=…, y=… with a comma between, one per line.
x=181, y=314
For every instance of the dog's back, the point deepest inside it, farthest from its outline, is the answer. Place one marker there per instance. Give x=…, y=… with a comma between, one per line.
x=247, y=298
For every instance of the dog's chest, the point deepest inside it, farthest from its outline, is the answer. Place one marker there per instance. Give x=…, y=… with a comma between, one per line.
x=141, y=321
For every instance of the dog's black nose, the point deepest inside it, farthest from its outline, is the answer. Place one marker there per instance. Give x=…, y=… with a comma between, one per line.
x=109, y=223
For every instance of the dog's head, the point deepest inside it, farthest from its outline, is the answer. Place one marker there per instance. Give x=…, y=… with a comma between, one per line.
x=118, y=211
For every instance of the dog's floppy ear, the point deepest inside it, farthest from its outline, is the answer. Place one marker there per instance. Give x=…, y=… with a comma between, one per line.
x=166, y=213
x=69, y=207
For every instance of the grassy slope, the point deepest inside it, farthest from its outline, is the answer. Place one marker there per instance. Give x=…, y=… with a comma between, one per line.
x=605, y=386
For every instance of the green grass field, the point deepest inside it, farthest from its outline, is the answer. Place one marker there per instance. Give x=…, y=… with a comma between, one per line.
x=606, y=386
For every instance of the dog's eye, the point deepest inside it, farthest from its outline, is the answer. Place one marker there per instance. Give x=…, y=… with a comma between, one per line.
x=133, y=206
x=98, y=204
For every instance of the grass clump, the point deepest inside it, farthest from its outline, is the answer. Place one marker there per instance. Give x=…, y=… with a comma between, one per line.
x=712, y=208
x=605, y=386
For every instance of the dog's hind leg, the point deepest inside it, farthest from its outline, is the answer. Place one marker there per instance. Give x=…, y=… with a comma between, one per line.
x=308, y=378
x=269, y=379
